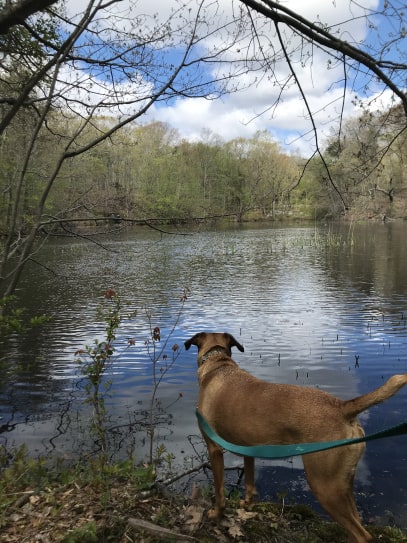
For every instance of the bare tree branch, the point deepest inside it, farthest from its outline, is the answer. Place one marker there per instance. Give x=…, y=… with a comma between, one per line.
x=311, y=117
x=56, y=59
x=278, y=13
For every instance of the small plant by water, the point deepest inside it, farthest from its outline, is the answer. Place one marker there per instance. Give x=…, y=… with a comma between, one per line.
x=95, y=362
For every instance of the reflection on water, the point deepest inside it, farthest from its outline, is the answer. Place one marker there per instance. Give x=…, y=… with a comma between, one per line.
x=316, y=306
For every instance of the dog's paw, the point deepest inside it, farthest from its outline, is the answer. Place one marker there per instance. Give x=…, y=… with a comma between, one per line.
x=246, y=504
x=214, y=514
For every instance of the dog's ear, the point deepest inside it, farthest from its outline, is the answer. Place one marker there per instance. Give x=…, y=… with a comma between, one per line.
x=234, y=343
x=195, y=340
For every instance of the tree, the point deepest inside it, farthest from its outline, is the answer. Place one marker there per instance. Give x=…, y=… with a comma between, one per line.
x=368, y=162
x=270, y=174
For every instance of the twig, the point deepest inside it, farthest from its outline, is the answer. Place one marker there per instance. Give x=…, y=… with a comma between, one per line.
x=160, y=483
x=158, y=531
x=174, y=478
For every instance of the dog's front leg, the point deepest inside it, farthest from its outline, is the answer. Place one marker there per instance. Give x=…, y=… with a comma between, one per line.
x=250, y=488
x=216, y=459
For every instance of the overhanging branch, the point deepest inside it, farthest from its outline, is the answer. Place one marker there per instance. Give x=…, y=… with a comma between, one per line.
x=281, y=14
x=17, y=13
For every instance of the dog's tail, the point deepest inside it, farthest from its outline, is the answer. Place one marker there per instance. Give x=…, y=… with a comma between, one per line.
x=351, y=408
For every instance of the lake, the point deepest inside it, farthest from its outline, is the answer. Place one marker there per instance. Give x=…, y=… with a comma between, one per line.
x=321, y=305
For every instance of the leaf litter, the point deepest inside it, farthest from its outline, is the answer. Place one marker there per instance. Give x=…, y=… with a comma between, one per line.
x=97, y=513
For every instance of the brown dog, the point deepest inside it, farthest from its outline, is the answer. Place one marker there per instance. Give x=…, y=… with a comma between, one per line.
x=247, y=411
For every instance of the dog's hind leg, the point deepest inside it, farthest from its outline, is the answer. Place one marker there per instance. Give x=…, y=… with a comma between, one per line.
x=250, y=487
x=331, y=477
x=340, y=505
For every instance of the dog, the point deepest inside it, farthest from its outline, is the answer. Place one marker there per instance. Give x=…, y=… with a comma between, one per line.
x=248, y=411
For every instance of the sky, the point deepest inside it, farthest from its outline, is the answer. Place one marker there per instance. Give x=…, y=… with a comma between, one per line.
x=243, y=113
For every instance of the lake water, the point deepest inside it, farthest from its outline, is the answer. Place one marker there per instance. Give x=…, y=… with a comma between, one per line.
x=320, y=306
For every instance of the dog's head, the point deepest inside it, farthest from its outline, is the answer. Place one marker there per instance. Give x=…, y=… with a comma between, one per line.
x=209, y=341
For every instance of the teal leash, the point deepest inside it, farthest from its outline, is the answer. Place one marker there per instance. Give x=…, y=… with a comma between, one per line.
x=285, y=451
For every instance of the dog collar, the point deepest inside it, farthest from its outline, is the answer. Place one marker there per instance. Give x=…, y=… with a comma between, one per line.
x=212, y=352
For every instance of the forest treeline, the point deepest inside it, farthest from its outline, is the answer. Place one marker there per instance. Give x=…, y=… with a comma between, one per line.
x=149, y=172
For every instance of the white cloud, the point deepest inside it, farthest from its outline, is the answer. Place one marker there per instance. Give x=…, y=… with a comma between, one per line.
x=288, y=123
